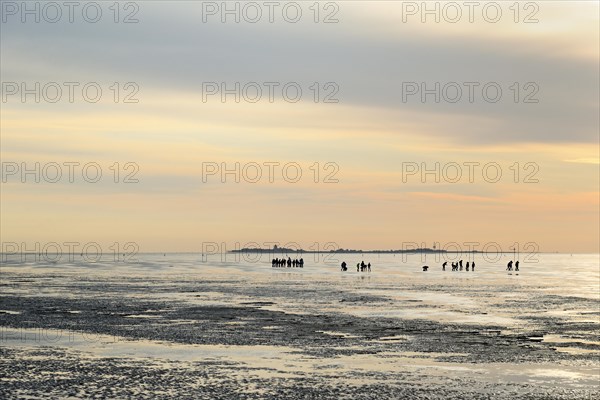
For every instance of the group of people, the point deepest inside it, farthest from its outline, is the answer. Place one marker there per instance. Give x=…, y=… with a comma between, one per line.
x=458, y=266
x=360, y=267
x=282, y=263
x=509, y=266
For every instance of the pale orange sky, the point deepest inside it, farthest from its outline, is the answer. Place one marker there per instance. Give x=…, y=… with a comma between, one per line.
x=369, y=134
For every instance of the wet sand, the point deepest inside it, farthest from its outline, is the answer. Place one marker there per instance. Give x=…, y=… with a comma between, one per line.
x=271, y=334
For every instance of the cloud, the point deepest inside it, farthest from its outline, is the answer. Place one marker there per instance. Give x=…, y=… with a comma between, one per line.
x=172, y=51
x=589, y=160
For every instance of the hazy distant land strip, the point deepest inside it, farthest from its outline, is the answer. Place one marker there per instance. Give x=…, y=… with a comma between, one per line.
x=353, y=251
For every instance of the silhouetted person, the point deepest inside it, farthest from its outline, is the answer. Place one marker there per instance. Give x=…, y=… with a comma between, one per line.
x=301, y=262
x=369, y=267
x=344, y=266
x=467, y=266
x=473, y=266
x=444, y=265
x=517, y=266
x=460, y=264
x=289, y=262
x=425, y=268
x=509, y=266
x=357, y=267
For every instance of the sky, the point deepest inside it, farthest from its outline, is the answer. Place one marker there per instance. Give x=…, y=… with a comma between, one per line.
x=393, y=128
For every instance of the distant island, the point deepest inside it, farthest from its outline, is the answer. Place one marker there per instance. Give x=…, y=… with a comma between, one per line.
x=276, y=249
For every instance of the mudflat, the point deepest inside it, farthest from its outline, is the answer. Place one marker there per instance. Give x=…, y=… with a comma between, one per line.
x=249, y=331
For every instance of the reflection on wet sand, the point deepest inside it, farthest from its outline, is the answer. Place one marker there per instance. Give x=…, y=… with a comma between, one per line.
x=262, y=333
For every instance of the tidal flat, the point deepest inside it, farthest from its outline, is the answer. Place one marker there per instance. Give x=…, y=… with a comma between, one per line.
x=172, y=327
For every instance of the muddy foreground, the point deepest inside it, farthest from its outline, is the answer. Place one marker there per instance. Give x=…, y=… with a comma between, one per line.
x=67, y=335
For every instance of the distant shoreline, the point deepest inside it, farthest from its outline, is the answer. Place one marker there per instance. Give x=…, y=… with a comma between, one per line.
x=342, y=251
